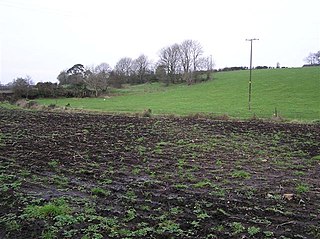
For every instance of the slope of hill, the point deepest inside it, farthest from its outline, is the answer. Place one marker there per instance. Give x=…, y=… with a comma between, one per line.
x=293, y=92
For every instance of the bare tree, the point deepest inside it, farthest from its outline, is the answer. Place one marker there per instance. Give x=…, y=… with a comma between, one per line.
x=170, y=60
x=190, y=53
x=124, y=68
x=185, y=57
x=313, y=58
x=141, y=66
x=196, y=53
x=103, y=68
x=97, y=77
x=317, y=55
x=310, y=58
x=205, y=64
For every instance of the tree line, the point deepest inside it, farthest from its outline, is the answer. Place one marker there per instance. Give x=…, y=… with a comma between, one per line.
x=183, y=62
x=177, y=63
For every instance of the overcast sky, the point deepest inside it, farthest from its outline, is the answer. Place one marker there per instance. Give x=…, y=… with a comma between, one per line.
x=40, y=38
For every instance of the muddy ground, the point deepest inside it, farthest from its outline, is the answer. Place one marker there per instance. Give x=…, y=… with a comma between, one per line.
x=74, y=175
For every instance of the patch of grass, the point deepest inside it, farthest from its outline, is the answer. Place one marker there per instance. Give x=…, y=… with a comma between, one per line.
x=106, y=181
x=141, y=149
x=253, y=230
x=60, y=181
x=202, y=215
x=218, y=163
x=12, y=225
x=181, y=186
x=316, y=158
x=241, y=174
x=302, y=188
x=130, y=214
x=53, y=163
x=237, y=228
x=136, y=171
x=175, y=210
x=100, y=192
x=51, y=209
x=25, y=172
x=131, y=196
x=293, y=91
x=202, y=184
x=169, y=226
x=299, y=173
x=218, y=228
x=7, y=105
x=218, y=192
x=9, y=181
x=49, y=234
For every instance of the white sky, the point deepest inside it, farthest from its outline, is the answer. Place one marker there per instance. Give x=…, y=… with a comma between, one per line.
x=40, y=38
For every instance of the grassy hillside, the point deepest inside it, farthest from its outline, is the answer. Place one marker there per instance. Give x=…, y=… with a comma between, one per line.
x=295, y=92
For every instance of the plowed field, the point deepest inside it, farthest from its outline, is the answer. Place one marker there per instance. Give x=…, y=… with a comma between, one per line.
x=111, y=176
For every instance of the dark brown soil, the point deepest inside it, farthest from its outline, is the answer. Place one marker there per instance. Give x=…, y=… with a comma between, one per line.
x=130, y=177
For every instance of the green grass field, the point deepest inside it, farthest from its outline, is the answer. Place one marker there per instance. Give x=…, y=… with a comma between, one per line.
x=295, y=92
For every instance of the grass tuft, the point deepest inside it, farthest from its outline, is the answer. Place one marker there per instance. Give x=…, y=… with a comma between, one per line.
x=51, y=209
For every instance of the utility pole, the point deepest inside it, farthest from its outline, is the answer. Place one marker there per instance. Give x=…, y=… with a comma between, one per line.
x=250, y=81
